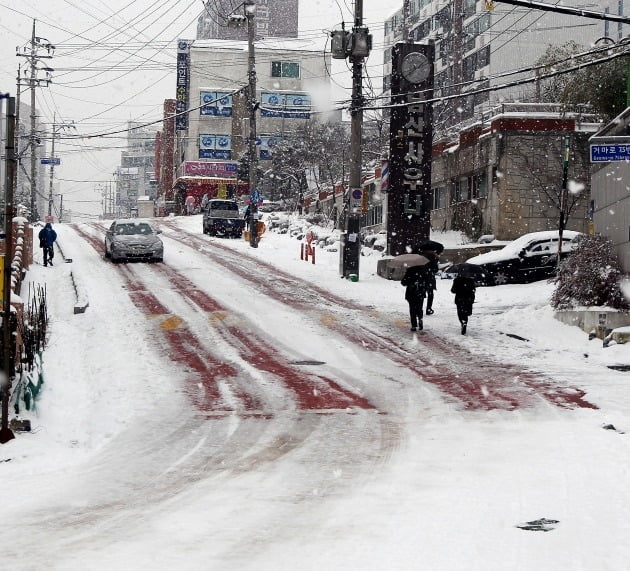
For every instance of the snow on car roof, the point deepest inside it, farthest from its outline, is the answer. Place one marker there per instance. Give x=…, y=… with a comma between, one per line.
x=512, y=249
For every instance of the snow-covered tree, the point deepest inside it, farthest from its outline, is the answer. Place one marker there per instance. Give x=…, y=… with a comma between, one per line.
x=590, y=276
x=602, y=86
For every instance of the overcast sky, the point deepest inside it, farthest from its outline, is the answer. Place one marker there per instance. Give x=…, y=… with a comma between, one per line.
x=114, y=62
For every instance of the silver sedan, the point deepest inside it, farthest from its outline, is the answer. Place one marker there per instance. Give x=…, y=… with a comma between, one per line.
x=132, y=239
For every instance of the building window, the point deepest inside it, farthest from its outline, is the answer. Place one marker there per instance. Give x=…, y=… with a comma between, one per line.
x=439, y=197
x=464, y=189
x=285, y=69
x=469, y=7
x=481, y=185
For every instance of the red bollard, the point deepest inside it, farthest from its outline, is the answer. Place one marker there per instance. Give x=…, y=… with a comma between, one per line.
x=301, y=251
x=313, y=255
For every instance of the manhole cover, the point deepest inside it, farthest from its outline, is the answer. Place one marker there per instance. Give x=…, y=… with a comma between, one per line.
x=308, y=362
x=624, y=368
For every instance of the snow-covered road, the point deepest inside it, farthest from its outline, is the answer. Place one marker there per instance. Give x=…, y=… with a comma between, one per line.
x=229, y=409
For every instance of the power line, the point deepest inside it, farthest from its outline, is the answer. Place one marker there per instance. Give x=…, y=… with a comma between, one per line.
x=512, y=83
x=566, y=10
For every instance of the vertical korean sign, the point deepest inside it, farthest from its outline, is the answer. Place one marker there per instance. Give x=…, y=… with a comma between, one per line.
x=410, y=143
x=182, y=95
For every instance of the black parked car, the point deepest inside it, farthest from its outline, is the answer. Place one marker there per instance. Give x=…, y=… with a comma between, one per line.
x=530, y=258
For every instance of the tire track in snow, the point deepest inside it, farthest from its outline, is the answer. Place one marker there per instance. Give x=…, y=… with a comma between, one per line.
x=477, y=382
x=309, y=391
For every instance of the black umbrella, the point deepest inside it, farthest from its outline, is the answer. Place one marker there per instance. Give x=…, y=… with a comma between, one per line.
x=408, y=261
x=467, y=270
x=428, y=246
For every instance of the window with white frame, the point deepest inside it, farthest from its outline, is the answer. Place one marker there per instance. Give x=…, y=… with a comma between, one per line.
x=285, y=69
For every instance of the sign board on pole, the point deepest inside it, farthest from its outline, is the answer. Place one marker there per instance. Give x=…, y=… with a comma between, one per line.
x=356, y=200
x=604, y=153
x=51, y=161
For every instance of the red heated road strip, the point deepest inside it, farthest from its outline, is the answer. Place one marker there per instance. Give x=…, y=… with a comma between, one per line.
x=311, y=392
x=482, y=384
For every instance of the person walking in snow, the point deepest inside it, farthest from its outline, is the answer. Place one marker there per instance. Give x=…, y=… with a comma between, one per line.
x=431, y=284
x=464, y=289
x=246, y=216
x=47, y=237
x=417, y=282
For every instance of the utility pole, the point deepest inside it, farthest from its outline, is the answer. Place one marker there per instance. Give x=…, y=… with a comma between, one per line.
x=355, y=46
x=52, y=168
x=6, y=433
x=55, y=128
x=33, y=57
x=250, y=11
x=252, y=106
x=405, y=23
x=564, y=192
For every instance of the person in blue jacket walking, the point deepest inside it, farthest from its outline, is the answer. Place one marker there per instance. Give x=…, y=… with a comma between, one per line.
x=47, y=237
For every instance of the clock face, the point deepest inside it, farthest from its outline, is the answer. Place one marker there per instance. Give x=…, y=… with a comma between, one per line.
x=415, y=67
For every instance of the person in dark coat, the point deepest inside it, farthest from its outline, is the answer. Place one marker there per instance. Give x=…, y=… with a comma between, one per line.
x=464, y=289
x=47, y=237
x=247, y=217
x=431, y=284
x=416, y=281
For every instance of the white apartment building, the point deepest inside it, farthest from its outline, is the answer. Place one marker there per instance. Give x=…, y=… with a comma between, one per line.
x=292, y=87
x=476, y=44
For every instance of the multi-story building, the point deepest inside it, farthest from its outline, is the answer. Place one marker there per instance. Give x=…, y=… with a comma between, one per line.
x=165, y=159
x=497, y=162
x=274, y=19
x=136, y=172
x=476, y=47
x=292, y=84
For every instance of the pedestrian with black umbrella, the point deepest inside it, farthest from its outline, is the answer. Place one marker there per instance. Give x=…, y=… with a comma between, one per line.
x=416, y=280
x=431, y=250
x=464, y=287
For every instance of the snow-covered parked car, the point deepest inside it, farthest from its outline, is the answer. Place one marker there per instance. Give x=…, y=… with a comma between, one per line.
x=380, y=244
x=327, y=238
x=370, y=238
x=530, y=258
x=277, y=220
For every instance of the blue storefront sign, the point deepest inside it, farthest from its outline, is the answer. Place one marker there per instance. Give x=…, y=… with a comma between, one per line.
x=288, y=105
x=267, y=143
x=216, y=103
x=604, y=153
x=215, y=147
